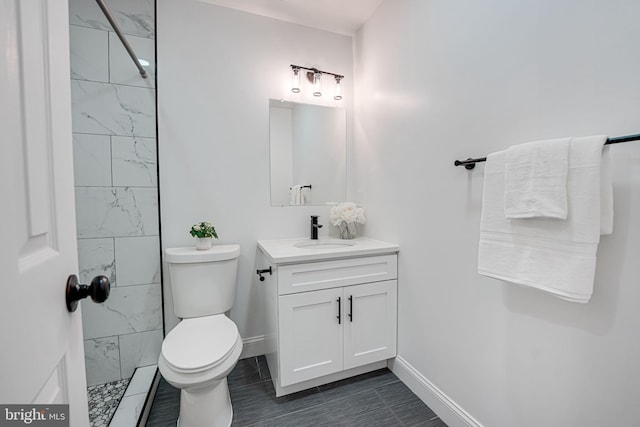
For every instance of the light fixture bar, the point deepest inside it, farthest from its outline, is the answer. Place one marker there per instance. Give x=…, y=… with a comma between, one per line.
x=315, y=70
x=315, y=78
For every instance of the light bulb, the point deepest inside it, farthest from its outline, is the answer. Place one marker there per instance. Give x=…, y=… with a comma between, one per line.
x=295, y=82
x=338, y=95
x=317, y=84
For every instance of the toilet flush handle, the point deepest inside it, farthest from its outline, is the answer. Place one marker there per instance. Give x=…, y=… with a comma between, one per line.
x=264, y=271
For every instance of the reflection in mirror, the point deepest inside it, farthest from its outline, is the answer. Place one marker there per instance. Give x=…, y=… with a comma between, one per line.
x=308, y=153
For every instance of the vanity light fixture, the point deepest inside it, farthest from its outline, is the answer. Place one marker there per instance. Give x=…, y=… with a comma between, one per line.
x=315, y=78
x=317, y=84
x=295, y=82
x=338, y=95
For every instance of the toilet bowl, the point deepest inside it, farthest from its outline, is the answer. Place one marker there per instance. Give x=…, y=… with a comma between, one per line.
x=199, y=353
x=196, y=357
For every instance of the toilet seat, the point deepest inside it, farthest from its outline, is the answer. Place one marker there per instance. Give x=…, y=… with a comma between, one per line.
x=200, y=343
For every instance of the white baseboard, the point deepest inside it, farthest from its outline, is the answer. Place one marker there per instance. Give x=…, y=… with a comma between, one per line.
x=253, y=346
x=448, y=410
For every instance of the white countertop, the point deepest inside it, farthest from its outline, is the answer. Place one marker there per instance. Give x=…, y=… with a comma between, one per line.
x=283, y=251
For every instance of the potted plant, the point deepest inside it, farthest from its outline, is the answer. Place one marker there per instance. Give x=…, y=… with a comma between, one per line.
x=345, y=216
x=204, y=232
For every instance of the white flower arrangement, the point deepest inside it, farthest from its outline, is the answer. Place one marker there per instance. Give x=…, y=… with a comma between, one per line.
x=203, y=229
x=346, y=212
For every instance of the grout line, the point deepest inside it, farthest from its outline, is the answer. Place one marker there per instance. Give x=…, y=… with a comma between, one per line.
x=353, y=393
x=135, y=237
x=242, y=386
x=115, y=267
x=120, y=360
x=116, y=237
x=137, y=284
x=114, y=186
x=258, y=366
x=137, y=394
x=109, y=29
x=91, y=28
x=152, y=88
x=100, y=338
x=362, y=390
x=140, y=332
x=384, y=402
x=111, y=158
x=108, y=58
x=294, y=412
x=118, y=135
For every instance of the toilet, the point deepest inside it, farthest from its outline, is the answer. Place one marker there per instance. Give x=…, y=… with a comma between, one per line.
x=199, y=353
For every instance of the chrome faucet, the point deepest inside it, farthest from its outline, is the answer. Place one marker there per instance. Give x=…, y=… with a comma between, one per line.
x=314, y=227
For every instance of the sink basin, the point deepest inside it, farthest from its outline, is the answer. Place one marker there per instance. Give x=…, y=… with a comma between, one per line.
x=324, y=244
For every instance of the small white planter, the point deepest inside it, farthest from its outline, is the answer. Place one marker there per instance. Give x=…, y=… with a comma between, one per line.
x=203, y=243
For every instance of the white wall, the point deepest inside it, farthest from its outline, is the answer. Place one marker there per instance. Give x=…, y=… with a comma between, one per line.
x=217, y=70
x=443, y=80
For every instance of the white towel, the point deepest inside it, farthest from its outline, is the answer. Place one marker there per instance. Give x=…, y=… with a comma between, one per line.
x=535, y=179
x=554, y=256
x=305, y=195
x=606, y=194
x=295, y=195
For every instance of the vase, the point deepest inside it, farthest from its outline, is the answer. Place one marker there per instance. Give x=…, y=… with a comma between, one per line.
x=347, y=230
x=203, y=243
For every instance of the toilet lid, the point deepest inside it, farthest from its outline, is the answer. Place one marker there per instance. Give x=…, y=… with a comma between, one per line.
x=200, y=343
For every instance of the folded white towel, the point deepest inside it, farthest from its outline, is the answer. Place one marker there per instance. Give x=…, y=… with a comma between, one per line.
x=606, y=194
x=305, y=195
x=558, y=257
x=295, y=195
x=535, y=177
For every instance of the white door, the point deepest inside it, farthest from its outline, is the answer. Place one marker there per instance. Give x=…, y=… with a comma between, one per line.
x=42, y=360
x=311, y=335
x=370, y=323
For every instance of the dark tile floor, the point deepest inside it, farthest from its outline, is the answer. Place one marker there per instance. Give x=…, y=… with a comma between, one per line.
x=374, y=399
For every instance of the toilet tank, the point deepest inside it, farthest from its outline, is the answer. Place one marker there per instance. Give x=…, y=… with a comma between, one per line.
x=203, y=283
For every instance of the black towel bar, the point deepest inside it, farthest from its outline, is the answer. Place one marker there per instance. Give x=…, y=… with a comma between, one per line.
x=470, y=163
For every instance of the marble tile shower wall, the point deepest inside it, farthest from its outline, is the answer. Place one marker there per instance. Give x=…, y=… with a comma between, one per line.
x=114, y=140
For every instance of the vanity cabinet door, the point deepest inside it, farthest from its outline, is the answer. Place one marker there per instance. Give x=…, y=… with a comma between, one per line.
x=370, y=319
x=311, y=335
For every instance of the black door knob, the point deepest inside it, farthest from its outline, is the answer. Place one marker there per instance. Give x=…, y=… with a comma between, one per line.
x=98, y=289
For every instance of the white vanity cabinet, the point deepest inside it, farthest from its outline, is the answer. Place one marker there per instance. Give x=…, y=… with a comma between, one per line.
x=322, y=332
x=329, y=317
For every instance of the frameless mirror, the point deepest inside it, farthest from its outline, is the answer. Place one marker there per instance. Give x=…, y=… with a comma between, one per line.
x=308, y=146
